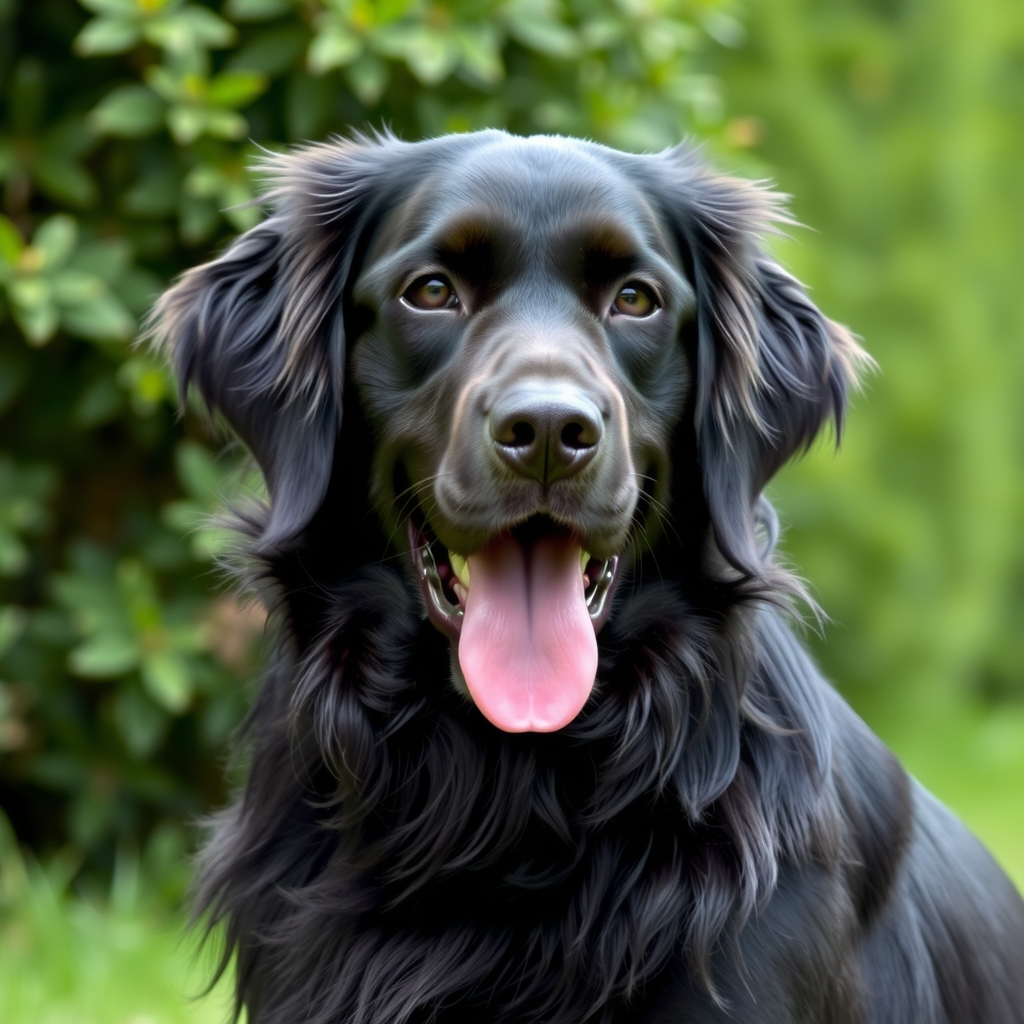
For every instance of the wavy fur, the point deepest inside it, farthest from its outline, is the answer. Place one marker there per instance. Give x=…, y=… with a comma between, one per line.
x=716, y=837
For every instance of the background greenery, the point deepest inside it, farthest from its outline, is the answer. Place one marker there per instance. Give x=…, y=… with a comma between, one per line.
x=899, y=129
x=126, y=127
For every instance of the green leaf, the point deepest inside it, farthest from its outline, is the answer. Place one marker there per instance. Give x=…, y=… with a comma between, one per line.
x=71, y=287
x=724, y=28
x=106, y=35
x=65, y=181
x=186, y=123
x=108, y=258
x=602, y=33
x=368, y=78
x=226, y=124
x=198, y=472
x=187, y=29
x=164, y=83
x=141, y=722
x=11, y=242
x=204, y=180
x=130, y=111
x=334, y=47
x=106, y=655
x=481, y=53
x=38, y=317
x=167, y=680
x=102, y=318
x=547, y=37
x=236, y=88
x=431, y=55
x=55, y=239
x=30, y=292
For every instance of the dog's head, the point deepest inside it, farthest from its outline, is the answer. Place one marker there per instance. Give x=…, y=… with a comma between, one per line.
x=537, y=329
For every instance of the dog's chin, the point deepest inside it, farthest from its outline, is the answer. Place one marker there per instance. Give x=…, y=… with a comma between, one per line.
x=522, y=615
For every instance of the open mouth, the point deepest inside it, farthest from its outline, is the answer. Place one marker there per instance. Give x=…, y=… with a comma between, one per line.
x=445, y=576
x=524, y=612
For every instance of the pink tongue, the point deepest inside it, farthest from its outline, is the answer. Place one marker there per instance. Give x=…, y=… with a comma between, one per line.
x=527, y=648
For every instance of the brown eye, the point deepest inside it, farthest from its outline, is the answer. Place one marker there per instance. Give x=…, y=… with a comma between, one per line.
x=431, y=292
x=635, y=299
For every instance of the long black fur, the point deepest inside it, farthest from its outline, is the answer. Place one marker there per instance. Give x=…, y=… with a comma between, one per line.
x=717, y=837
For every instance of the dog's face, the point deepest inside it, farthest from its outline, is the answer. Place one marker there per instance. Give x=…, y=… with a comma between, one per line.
x=523, y=373
x=512, y=311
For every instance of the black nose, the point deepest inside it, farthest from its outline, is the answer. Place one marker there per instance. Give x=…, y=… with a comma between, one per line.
x=546, y=430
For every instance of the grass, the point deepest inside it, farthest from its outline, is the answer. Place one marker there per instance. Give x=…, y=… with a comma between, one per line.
x=69, y=960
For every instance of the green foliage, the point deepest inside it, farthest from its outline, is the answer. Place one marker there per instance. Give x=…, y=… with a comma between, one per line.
x=126, y=130
x=898, y=129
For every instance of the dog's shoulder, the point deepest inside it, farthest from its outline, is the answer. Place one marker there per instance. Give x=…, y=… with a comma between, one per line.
x=941, y=926
x=948, y=945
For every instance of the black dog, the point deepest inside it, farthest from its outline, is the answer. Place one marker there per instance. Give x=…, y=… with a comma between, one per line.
x=568, y=373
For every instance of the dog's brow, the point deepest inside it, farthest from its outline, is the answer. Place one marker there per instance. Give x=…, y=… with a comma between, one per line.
x=607, y=238
x=466, y=233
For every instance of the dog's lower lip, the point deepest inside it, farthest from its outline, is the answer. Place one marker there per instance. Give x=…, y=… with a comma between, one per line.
x=436, y=577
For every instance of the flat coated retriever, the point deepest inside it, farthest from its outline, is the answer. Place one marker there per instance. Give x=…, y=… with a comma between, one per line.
x=536, y=743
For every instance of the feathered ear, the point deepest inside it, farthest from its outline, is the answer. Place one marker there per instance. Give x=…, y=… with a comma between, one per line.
x=771, y=368
x=260, y=332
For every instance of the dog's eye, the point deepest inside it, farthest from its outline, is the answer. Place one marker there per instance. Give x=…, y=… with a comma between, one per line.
x=431, y=292
x=635, y=299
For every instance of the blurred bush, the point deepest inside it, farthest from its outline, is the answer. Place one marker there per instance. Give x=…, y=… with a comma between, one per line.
x=127, y=127
x=898, y=127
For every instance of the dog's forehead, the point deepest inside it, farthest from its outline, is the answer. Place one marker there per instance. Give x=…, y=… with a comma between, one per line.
x=534, y=186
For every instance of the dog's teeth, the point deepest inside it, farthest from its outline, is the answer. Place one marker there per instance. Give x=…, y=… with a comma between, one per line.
x=460, y=592
x=460, y=567
x=584, y=558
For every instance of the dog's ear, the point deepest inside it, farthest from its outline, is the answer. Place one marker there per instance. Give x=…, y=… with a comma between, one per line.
x=260, y=332
x=771, y=369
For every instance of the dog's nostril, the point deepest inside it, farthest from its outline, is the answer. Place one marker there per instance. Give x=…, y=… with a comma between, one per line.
x=523, y=435
x=577, y=437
